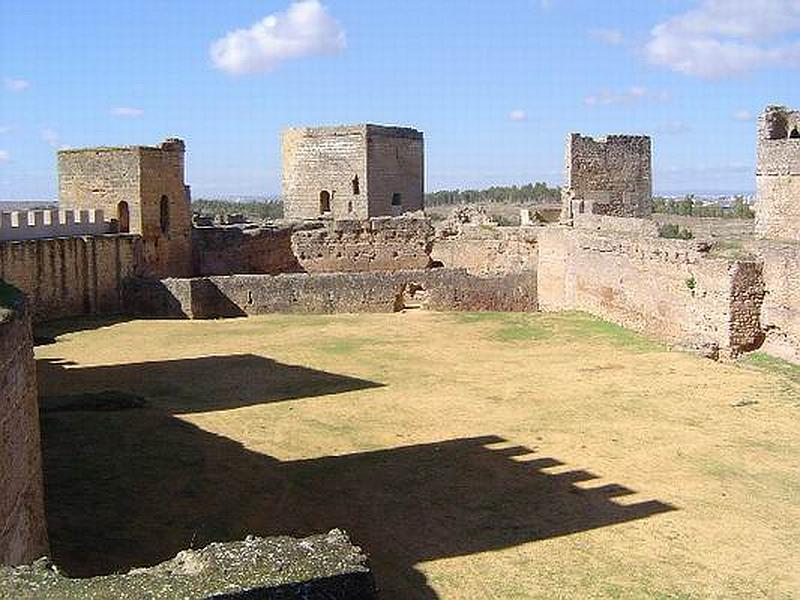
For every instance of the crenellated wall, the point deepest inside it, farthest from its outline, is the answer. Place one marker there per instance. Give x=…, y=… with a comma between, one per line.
x=73, y=276
x=23, y=530
x=30, y=225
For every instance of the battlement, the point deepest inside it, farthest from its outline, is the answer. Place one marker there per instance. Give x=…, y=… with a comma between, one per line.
x=41, y=224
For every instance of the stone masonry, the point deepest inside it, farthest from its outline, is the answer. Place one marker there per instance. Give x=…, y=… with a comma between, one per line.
x=352, y=172
x=23, y=530
x=609, y=176
x=143, y=188
x=778, y=174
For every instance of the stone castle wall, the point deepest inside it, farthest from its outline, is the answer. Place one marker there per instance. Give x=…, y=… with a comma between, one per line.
x=781, y=311
x=23, y=530
x=379, y=244
x=488, y=250
x=608, y=176
x=242, y=295
x=39, y=224
x=71, y=276
x=665, y=288
x=777, y=204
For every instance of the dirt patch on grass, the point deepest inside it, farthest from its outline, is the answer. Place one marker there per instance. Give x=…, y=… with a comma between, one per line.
x=473, y=456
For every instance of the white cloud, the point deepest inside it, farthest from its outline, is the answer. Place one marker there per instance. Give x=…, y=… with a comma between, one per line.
x=52, y=137
x=4, y=156
x=304, y=29
x=721, y=38
x=16, y=85
x=518, y=115
x=743, y=115
x=633, y=95
x=126, y=111
x=611, y=37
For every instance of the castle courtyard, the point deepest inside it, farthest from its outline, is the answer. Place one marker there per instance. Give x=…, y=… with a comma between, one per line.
x=471, y=455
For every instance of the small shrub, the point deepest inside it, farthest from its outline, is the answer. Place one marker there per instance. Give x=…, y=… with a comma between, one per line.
x=675, y=232
x=691, y=283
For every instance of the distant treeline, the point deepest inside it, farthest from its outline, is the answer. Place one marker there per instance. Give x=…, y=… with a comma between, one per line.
x=532, y=193
x=254, y=209
x=691, y=207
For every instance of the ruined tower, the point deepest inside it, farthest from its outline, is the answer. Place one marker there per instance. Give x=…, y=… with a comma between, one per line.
x=608, y=176
x=352, y=172
x=143, y=188
x=777, y=204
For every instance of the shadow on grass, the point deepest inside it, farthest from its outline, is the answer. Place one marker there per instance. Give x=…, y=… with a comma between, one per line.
x=46, y=333
x=193, y=384
x=133, y=487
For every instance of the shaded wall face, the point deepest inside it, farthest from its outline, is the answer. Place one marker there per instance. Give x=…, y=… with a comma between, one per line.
x=166, y=214
x=610, y=177
x=23, y=529
x=101, y=178
x=317, y=162
x=395, y=167
x=71, y=276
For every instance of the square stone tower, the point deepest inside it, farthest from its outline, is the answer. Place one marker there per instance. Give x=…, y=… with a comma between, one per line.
x=608, y=176
x=777, y=204
x=352, y=172
x=143, y=188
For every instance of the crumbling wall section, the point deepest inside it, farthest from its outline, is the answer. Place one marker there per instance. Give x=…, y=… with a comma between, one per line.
x=320, y=567
x=378, y=244
x=608, y=176
x=487, y=249
x=777, y=204
x=23, y=529
x=669, y=289
x=71, y=276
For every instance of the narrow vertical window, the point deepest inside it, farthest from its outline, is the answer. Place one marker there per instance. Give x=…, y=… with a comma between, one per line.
x=397, y=199
x=356, y=186
x=324, y=202
x=164, y=214
x=123, y=217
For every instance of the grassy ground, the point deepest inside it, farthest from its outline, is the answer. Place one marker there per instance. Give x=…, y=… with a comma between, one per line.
x=472, y=455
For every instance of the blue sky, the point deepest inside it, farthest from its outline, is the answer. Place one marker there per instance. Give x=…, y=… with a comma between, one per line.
x=495, y=86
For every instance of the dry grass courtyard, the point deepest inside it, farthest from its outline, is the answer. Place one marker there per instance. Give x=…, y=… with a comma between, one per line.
x=472, y=456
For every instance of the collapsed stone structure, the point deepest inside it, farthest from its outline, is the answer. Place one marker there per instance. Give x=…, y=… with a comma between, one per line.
x=345, y=252
x=352, y=172
x=608, y=176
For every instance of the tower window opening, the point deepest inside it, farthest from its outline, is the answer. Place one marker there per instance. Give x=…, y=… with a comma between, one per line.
x=164, y=214
x=324, y=202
